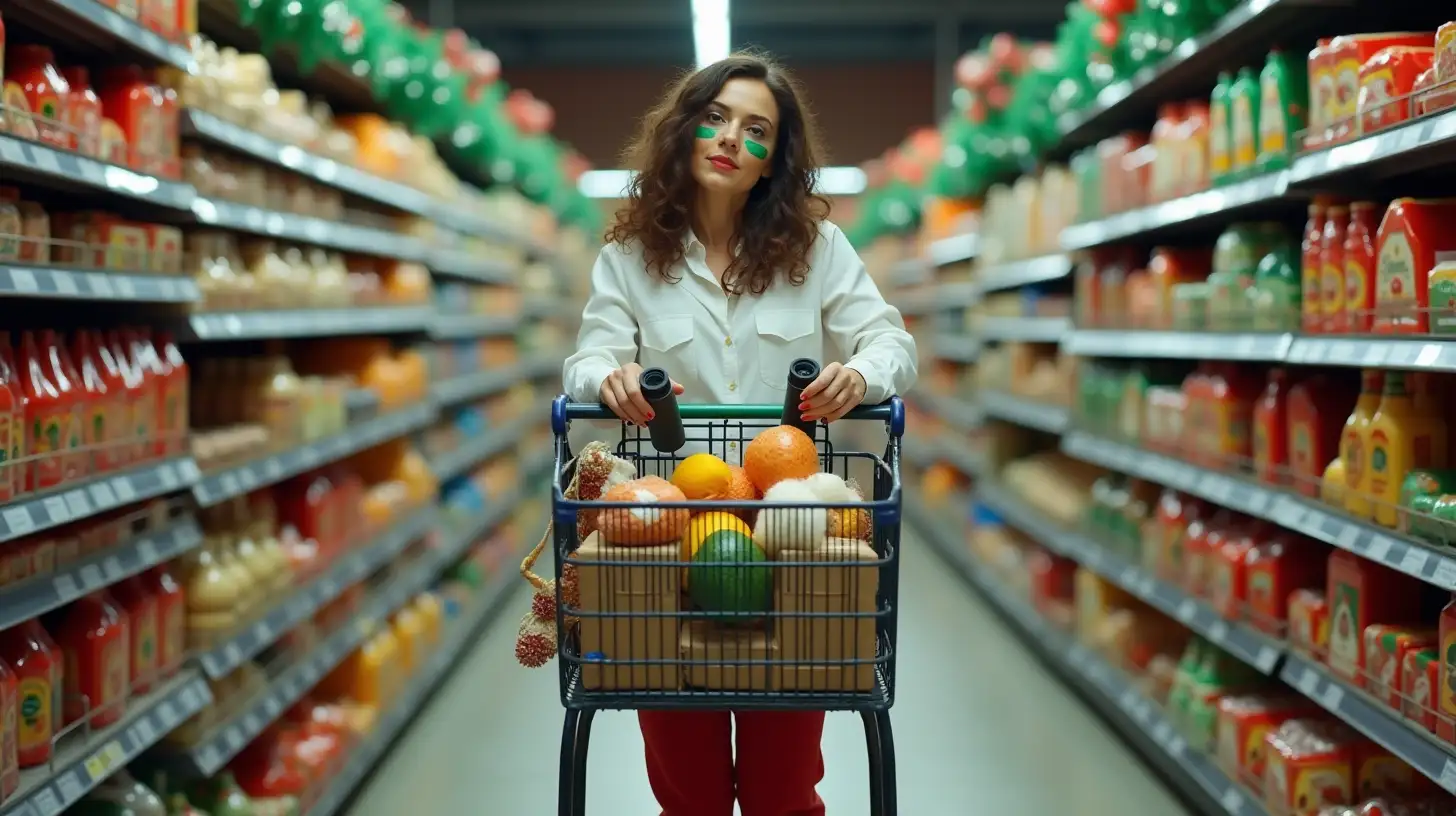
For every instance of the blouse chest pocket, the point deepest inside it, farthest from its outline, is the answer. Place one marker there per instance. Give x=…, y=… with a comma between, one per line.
x=784, y=335
x=667, y=342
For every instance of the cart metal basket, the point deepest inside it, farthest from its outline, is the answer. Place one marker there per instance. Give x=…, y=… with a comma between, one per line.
x=729, y=605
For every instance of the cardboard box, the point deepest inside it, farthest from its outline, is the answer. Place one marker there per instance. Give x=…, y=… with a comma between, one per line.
x=653, y=589
x=711, y=653
x=841, y=597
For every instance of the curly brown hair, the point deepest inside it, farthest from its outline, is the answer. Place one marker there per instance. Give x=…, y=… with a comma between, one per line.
x=780, y=220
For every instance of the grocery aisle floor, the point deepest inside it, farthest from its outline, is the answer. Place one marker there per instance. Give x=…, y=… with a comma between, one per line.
x=980, y=727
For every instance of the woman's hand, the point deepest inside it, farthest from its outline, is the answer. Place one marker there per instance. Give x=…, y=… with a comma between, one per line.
x=622, y=394
x=836, y=392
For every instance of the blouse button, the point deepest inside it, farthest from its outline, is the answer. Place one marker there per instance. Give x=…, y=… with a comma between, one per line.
x=728, y=341
x=733, y=386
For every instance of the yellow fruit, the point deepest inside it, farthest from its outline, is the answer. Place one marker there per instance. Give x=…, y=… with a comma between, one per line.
x=705, y=524
x=703, y=476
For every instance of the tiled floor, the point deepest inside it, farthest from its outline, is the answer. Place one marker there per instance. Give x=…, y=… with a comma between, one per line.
x=980, y=728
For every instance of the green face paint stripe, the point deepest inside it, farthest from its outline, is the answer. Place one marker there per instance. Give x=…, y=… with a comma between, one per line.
x=758, y=150
x=705, y=132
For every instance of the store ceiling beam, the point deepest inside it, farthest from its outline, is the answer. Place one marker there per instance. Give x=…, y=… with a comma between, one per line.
x=550, y=14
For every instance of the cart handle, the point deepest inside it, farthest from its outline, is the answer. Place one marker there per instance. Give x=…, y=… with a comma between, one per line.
x=892, y=412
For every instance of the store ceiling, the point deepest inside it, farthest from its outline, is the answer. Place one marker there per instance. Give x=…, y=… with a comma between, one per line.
x=542, y=33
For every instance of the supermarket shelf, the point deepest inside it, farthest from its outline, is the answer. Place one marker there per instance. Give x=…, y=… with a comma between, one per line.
x=910, y=272
x=262, y=325
x=948, y=448
x=1138, y=716
x=64, y=505
x=347, y=570
x=465, y=457
x=957, y=348
x=1372, y=352
x=306, y=229
x=216, y=488
x=206, y=127
x=1021, y=411
x=960, y=413
x=1243, y=346
x=37, y=596
x=1407, y=149
x=225, y=741
x=1023, y=329
x=1292, y=512
x=1012, y=274
x=1242, y=37
x=1212, y=205
x=72, y=171
x=415, y=695
x=59, y=283
x=470, y=326
x=955, y=249
x=477, y=384
x=89, y=26
x=458, y=263
x=1374, y=719
x=84, y=760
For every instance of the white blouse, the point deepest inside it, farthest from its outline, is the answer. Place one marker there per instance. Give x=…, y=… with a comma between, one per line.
x=737, y=349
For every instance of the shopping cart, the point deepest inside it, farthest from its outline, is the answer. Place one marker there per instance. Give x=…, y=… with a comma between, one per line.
x=801, y=629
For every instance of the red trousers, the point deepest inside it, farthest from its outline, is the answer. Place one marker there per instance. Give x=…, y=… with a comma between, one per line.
x=691, y=766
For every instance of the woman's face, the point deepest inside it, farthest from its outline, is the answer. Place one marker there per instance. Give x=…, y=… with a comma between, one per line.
x=736, y=137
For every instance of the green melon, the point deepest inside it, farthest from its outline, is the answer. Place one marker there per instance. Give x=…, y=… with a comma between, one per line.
x=729, y=573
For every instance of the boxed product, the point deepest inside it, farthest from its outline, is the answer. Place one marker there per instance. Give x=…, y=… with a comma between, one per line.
x=725, y=659
x=846, y=587
x=649, y=591
x=1309, y=764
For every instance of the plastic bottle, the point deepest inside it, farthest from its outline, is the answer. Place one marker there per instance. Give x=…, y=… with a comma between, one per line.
x=1360, y=261
x=9, y=731
x=141, y=610
x=1283, y=107
x=12, y=419
x=175, y=396
x=44, y=417
x=1355, y=444
x=171, y=618
x=62, y=371
x=1244, y=123
x=1220, y=135
x=1332, y=270
x=37, y=670
x=122, y=419
x=83, y=112
x=100, y=435
x=94, y=637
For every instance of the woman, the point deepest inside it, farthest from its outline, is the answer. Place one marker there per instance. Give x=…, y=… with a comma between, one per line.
x=722, y=269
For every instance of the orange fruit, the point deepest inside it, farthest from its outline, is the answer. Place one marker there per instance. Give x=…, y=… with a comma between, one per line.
x=849, y=522
x=740, y=487
x=780, y=453
x=641, y=524
x=702, y=476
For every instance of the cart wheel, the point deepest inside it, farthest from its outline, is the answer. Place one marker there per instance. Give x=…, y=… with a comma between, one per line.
x=575, y=740
x=881, y=742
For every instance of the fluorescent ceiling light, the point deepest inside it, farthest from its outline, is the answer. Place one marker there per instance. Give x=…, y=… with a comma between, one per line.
x=833, y=181
x=711, y=31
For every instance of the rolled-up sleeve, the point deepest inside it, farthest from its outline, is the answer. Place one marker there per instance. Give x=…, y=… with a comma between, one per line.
x=863, y=325
x=608, y=336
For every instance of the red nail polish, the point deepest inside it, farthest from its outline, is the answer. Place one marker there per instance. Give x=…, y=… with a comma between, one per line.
x=803, y=405
x=650, y=417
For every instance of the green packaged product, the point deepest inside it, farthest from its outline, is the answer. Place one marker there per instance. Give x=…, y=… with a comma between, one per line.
x=1283, y=107
x=1131, y=404
x=1419, y=492
x=1277, y=292
x=1190, y=306
x=1243, y=101
x=1220, y=141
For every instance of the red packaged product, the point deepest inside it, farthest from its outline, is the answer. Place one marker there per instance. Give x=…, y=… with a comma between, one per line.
x=1385, y=649
x=1310, y=764
x=1349, y=53
x=1309, y=623
x=1227, y=579
x=95, y=639
x=1244, y=722
x=1410, y=237
x=1279, y=563
x=1386, y=79
x=1318, y=408
x=1378, y=772
x=1360, y=261
x=1271, y=430
x=1420, y=678
x=1362, y=592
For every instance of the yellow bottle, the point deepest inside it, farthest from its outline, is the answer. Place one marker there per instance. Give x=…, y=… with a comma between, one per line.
x=432, y=615
x=1392, y=447
x=376, y=670
x=1355, y=444
x=409, y=632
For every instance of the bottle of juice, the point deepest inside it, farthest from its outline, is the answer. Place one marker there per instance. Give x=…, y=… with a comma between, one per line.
x=9, y=749
x=1271, y=425
x=1244, y=122
x=1283, y=95
x=46, y=415
x=75, y=461
x=36, y=671
x=409, y=632
x=83, y=112
x=121, y=421
x=142, y=611
x=18, y=447
x=145, y=357
x=428, y=605
x=1360, y=261
x=171, y=617
x=96, y=642
x=143, y=396
x=1355, y=444
x=1311, y=270
x=1220, y=137
x=100, y=434
x=1332, y=270
x=1393, y=447
x=175, y=396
